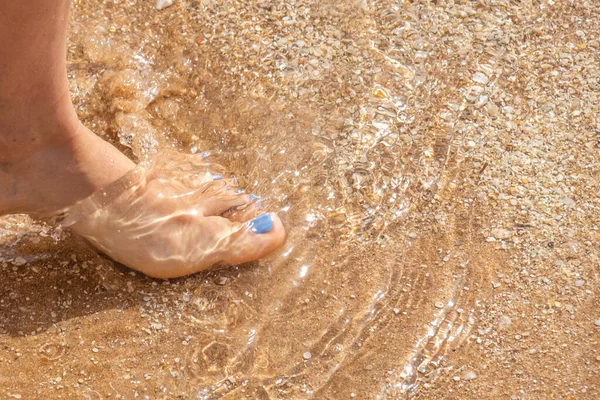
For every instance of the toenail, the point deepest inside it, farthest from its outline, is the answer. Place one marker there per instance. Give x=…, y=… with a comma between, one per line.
x=239, y=191
x=205, y=154
x=252, y=197
x=261, y=224
x=217, y=178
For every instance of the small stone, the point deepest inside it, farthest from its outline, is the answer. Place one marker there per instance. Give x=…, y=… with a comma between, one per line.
x=495, y=285
x=439, y=304
x=568, y=201
x=504, y=322
x=597, y=322
x=492, y=109
x=412, y=235
x=480, y=77
x=307, y=355
x=160, y=4
x=570, y=308
x=500, y=233
x=579, y=282
x=469, y=376
x=221, y=280
x=379, y=93
x=20, y=261
x=95, y=350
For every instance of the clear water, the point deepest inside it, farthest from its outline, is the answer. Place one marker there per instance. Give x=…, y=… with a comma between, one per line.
x=355, y=155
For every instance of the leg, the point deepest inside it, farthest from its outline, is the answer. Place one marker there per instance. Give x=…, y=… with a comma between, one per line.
x=49, y=161
x=38, y=125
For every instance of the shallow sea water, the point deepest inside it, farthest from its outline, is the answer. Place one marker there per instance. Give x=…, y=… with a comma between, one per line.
x=355, y=121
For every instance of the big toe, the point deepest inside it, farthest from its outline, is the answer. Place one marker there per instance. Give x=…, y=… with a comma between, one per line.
x=254, y=239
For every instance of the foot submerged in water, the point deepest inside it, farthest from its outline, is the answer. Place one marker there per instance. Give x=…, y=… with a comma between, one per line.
x=171, y=222
x=172, y=217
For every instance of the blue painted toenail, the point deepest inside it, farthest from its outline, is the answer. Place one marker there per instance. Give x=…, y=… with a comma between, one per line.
x=217, y=178
x=261, y=224
x=205, y=154
x=239, y=191
x=252, y=197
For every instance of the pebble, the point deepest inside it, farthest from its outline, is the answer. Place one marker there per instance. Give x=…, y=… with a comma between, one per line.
x=412, y=235
x=221, y=280
x=469, y=376
x=597, y=322
x=480, y=77
x=492, y=109
x=160, y=4
x=307, y=355
x=500, y=233
x=95, y=350
x=570, y=308
x=20, y=261
x=579, y=282
x=439, y=304
x=504, y=322
x=568, y=201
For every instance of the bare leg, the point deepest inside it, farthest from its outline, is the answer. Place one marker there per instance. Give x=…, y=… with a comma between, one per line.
x=49, y=160
x=38, y=125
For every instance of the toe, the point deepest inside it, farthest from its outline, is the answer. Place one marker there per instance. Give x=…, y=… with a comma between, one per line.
x=253, y=207
x=253, y=240
x=224, y=201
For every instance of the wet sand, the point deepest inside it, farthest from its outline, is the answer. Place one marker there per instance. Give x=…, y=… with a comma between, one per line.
x=436, y=167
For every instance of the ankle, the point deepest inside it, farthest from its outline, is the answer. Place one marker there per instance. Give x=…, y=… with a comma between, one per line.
x=24, y=132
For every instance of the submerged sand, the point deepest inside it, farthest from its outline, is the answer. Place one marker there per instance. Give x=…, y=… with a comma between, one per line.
x=436, y=166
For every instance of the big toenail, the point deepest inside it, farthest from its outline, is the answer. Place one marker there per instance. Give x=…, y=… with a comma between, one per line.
x=217, y=178
x=261, y=224
x=252, y=197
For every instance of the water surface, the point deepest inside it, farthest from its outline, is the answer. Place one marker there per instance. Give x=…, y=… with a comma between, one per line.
x=361, y=123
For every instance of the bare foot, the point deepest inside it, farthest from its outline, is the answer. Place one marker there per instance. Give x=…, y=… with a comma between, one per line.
x=164, y=226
